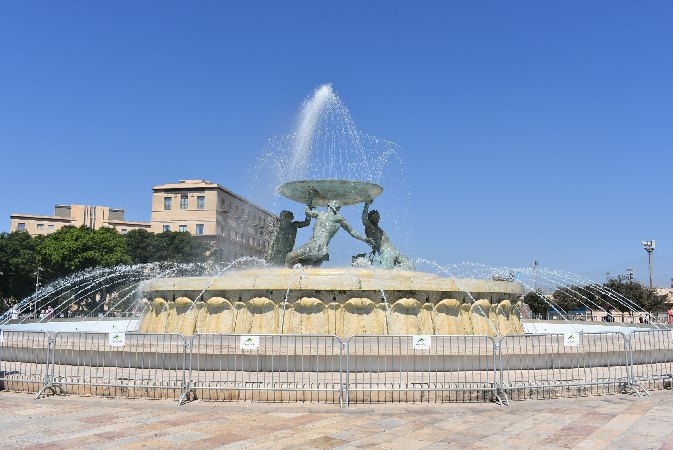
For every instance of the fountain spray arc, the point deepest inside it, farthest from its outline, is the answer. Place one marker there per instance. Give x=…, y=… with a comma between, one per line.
x=328, y=163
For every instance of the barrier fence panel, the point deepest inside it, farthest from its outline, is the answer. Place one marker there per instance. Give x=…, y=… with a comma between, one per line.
x=267, y=367
x=652, y=358
x=556, y=365
x=119, y=365
x=420, y=369
x=23, y=360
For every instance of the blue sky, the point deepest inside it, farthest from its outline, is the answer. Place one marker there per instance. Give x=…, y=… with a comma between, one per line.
x=529, y=130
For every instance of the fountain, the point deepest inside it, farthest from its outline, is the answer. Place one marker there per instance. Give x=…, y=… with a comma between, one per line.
x=325, y=160
x=302, y=325
x=381, y=293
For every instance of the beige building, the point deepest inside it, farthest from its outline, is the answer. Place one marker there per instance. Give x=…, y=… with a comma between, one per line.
x=75, y=215
x=236, y=226
x=203, y=208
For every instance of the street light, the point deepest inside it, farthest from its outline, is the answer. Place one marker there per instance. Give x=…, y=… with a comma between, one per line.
x=535, y=264
x=37, y=287
x=649, y=248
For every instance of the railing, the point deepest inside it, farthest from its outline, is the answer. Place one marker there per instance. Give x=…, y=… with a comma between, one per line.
x=439, y=369
x=651, y=358
x=143, y=365
x=24, y=360
x=266, y=367
x=547, y=365
x=323, y=368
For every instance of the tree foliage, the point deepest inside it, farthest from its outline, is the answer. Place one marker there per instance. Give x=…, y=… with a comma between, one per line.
x=173, y=246
x=72, y=249
x=535, y=300
x=18, y=264
x=620, y=293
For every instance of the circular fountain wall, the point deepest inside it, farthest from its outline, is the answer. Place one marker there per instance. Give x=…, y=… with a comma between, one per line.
x=340, y=301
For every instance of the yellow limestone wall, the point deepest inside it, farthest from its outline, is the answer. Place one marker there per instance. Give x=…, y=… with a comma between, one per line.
x=503, y=312
x=312, y=316
x=448, y=318
x=306, y=316
x=407, y=316
x=363, y=316
x=260, y=315
x=145, y=318
x=515, y=318
x=479, y=316
x=466, y=318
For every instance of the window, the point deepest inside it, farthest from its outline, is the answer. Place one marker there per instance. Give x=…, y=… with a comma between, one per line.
x=167, y=203
x=50, y=227
x=199, y=228
x=184, y=201
x=200, y=202
x=22, y=227
x=124, y=231
x=182, y=228
x=167, y=228
x=40, y=226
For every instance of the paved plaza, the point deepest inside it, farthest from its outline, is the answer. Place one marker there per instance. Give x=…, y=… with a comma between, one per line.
x=610, y=421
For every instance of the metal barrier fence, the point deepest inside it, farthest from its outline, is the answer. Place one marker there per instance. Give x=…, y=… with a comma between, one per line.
x=266, y=367
x=548, y=365
x=143, y=365
x=315, y=368
x=651, y=358
x=24, y=357
x=402, y=369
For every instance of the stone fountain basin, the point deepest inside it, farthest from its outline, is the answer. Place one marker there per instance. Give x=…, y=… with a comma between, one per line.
x=332, y=284
x=321, y=192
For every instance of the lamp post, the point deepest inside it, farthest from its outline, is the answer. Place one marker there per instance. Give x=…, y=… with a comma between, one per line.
x=535, y=264
x=37, y=287
x=649, y=248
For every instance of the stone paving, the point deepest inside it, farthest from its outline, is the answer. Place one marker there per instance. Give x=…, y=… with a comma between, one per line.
x=610, y=421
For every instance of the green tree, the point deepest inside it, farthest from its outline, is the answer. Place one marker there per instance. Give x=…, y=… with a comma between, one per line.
x=72, y=249
x=575, y=297
x=610, y=295
x=18, y=264
x=139, y=245
x=176, y=246
x=535, y=300
x=633, y=290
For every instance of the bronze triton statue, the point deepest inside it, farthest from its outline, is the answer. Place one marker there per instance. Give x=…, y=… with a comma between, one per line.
x=389, y=256
x=327, y=223
x=284, y=237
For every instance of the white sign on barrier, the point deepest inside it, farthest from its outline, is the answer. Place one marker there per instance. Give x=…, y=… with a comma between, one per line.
x=117, y=339
x=422, y=342
x=571, y=339
x=249, y=342
x=2, y=337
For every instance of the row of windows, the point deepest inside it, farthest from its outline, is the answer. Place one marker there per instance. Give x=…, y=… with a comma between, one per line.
x=40, y=226
x=184, y=202
x=198, y=228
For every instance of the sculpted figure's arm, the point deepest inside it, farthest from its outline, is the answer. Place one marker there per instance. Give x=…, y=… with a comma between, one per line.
x=304, y=223
x=310, y=213
x=309, y=206
x=354, y=233
x=365, y=213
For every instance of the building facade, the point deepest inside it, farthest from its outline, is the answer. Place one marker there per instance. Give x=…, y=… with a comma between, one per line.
x=74, y=215
x=236, y=226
